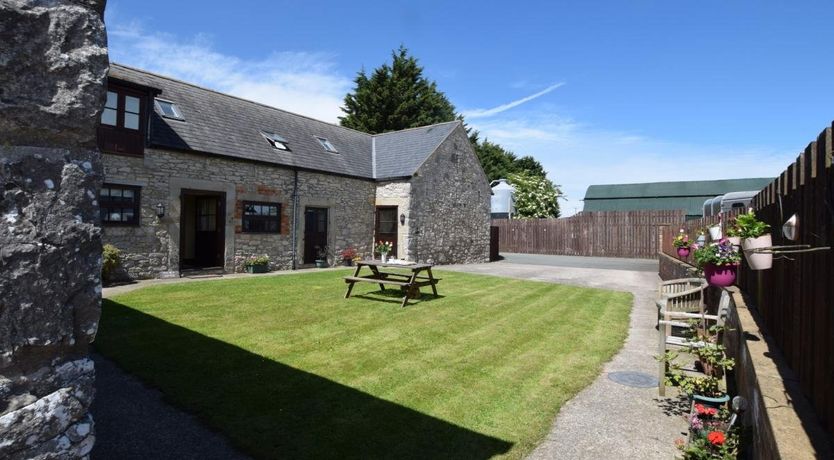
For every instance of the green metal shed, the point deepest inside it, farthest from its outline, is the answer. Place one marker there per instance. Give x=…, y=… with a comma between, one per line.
x=687, y=195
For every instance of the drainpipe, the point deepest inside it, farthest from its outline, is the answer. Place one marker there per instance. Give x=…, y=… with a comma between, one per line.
x=294, y=219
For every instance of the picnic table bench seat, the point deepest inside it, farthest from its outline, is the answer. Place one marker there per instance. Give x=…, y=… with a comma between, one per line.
x=410, y=284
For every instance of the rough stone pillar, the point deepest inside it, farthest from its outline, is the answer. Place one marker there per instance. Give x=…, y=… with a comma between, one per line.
x=53, y=65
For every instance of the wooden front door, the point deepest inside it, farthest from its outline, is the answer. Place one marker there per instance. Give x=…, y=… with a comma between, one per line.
x=387, y=226
x=315, y=233
x=208, y=234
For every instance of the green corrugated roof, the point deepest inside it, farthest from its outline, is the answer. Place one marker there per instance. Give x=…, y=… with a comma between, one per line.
x=709, y=188
x=688, y=195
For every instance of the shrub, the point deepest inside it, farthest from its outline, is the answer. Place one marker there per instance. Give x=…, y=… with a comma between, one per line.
x=111, y=259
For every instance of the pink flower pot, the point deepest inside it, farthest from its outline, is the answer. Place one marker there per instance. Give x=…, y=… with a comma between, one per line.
x=683, y=253
x=720, y=275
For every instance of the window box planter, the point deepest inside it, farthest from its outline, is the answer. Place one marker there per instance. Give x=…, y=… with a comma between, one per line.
x=257, y=268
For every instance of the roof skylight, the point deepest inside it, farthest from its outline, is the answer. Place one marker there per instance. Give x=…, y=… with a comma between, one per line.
x=276, y=141
x=168, y=109
x=327, y=145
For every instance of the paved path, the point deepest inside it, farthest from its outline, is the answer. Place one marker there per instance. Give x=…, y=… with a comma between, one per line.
x=606, y=419
x=609, y=263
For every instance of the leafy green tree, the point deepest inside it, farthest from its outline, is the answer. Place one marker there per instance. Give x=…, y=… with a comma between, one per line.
x=499, y=162
x=529, y=165
x=496, y=162
x=397, y=96
x=394, y=97
x=535, y=196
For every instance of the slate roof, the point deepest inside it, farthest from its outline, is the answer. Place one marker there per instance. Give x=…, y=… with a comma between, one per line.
x=226, y=125
x=400, y=151
x=688, y=195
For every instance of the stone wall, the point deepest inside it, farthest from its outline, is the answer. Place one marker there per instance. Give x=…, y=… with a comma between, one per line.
x=153, y=248
x=53, y=67
x=450, y=206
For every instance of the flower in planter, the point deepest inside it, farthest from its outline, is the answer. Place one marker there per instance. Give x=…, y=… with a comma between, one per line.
x=681, y=241
x=256, y=260
x=716, y=438
x=700, y=409
x=348, y=254
x=720, y=254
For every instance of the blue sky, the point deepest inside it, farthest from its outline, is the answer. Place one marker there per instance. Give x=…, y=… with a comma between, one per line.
x=599, y=92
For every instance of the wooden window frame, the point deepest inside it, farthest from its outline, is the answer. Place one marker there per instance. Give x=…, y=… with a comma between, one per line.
x=105, y=203
x=127, y=141
x=257, y=218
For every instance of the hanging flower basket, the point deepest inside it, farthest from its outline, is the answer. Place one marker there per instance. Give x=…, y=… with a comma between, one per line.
x=720, y=275
x=758, y=261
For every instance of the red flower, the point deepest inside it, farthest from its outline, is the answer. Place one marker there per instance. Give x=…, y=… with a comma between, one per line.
x=716, y=438
x=709, y=411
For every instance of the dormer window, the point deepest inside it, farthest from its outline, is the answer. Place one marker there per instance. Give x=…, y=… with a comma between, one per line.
x=276, y=141
x=123, y=122
x=168, y=109
x=327, y=145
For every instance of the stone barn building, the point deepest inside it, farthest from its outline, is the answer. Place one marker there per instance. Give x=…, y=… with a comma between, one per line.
x=196, y=179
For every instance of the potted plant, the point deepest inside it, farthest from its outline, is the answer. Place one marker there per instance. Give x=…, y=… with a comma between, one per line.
x=682, y=244
x=754, y=235
x=383, y=248
x=711, y=355
x=347, y=256
x=719, y=261
x=711, y=435
x=733, y=235
x=321, y=256
x=256, y=264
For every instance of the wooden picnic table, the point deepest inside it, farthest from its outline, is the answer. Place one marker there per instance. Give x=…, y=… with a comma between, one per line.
x=410, y=284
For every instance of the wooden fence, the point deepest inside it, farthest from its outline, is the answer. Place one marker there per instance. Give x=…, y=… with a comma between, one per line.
x=796, y=297
x=633, y=234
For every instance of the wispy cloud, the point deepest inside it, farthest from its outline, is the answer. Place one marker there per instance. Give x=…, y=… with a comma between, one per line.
x=301, y=82
x=482, y=113
x=577, y=155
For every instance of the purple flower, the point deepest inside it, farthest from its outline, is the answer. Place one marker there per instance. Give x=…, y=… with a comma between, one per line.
x=695, y=423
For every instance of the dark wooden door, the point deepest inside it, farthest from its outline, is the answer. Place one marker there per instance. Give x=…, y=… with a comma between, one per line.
x=315, y=233
x=387, y=226
x=208, y=236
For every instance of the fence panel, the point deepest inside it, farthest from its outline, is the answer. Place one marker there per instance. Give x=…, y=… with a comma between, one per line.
x=634, y=234
x=795, y=298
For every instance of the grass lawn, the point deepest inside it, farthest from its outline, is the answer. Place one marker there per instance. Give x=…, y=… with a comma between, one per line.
x=285, y=367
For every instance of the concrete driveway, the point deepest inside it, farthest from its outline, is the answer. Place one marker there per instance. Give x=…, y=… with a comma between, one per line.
x=607, y=419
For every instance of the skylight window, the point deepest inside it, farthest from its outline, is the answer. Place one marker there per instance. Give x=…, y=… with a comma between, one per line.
x=276, y=141
x=327, y=145
x=168, y=109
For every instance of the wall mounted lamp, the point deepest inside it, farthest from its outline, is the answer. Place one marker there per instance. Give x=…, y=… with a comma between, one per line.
x=160, y=210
